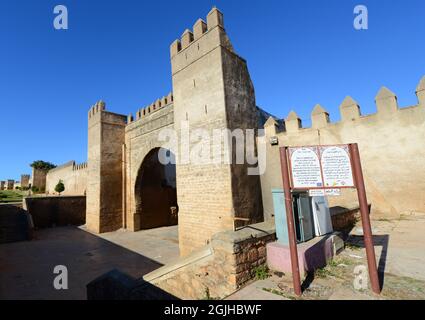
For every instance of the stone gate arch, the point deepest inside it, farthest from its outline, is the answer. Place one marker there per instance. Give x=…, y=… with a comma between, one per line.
x=155, y=192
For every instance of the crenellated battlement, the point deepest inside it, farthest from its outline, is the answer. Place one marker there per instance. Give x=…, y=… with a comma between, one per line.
x=203, y=38
x=96, y=108
x=155, y=106
x=69, y=166
x=390, y=141
x=72, y=174
x=214, y=19
x=79, y=166
x=386, y=106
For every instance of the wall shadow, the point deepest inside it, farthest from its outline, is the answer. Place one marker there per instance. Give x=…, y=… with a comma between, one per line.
x=345, y=219
x=27, y=271
x=378, y=241
x=358, y=241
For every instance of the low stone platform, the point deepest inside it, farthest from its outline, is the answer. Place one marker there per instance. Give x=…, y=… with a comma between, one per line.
x=312, y=255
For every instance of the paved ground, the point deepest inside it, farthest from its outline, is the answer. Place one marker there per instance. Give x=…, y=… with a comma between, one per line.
x=400, y=253
x=26, y=268
x=400, y=245
x=160, y=244
x=256, y=291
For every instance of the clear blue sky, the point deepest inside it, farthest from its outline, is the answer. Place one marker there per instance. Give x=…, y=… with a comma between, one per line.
x=299, y=53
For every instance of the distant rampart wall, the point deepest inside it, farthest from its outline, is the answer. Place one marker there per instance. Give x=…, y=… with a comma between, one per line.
x=392, y=150
x=74, y=177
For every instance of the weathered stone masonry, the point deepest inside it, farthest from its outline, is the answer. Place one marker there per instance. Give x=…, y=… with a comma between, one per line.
x=392, y=149
x=212, y=89
x=73, y=176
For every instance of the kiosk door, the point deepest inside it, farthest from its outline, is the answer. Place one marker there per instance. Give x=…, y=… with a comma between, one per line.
x=304, y=217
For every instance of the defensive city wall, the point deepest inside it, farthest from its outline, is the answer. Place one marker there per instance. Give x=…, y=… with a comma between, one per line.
x=212, y=89
x=7, y=184
x=73, y=176
x=25, y=181
x=391, y=143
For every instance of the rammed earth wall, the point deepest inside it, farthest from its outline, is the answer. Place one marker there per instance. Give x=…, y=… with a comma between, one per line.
x=392, y=150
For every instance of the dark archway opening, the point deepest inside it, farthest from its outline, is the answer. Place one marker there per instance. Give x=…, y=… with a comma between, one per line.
x=156, y=193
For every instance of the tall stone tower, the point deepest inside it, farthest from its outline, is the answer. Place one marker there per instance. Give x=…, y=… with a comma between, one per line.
x=25, y=181
x=106, y=132
x=212, y=90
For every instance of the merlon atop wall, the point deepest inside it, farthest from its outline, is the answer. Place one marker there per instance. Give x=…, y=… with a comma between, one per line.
x=79, y=166
x=420, y=91
x=386, y=104
x=158, y=104
x=99, y=106
x=386, y=101
x=319, y=117
x=75, y=166
x=214, y=18
x=293, y=122
x=349, y=109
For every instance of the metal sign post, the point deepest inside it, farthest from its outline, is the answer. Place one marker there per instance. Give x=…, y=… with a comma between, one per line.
x=325, y=168
x=290, y=221
x=364, y=211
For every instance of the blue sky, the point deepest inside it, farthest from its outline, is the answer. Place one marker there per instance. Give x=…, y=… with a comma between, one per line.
x=299, y=53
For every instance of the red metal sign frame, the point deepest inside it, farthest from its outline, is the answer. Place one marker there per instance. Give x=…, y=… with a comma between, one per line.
x=321, y=168
x=358, y=181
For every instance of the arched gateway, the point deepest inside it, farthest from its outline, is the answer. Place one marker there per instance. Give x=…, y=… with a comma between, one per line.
x=155, y=193
x=128, y=188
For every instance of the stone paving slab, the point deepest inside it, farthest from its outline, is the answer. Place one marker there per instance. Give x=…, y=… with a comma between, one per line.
x=159, y=244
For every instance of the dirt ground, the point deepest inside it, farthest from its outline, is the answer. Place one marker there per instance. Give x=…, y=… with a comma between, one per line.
x=400, y=255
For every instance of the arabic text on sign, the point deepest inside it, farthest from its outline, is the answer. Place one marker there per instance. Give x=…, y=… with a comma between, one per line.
x=305, y=168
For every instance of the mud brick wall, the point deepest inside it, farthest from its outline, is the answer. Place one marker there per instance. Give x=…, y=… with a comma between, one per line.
x=391, y=146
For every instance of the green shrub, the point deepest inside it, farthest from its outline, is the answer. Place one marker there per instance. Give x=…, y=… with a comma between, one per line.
x=42, y=165
x=261, y=272
x=60, y=187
